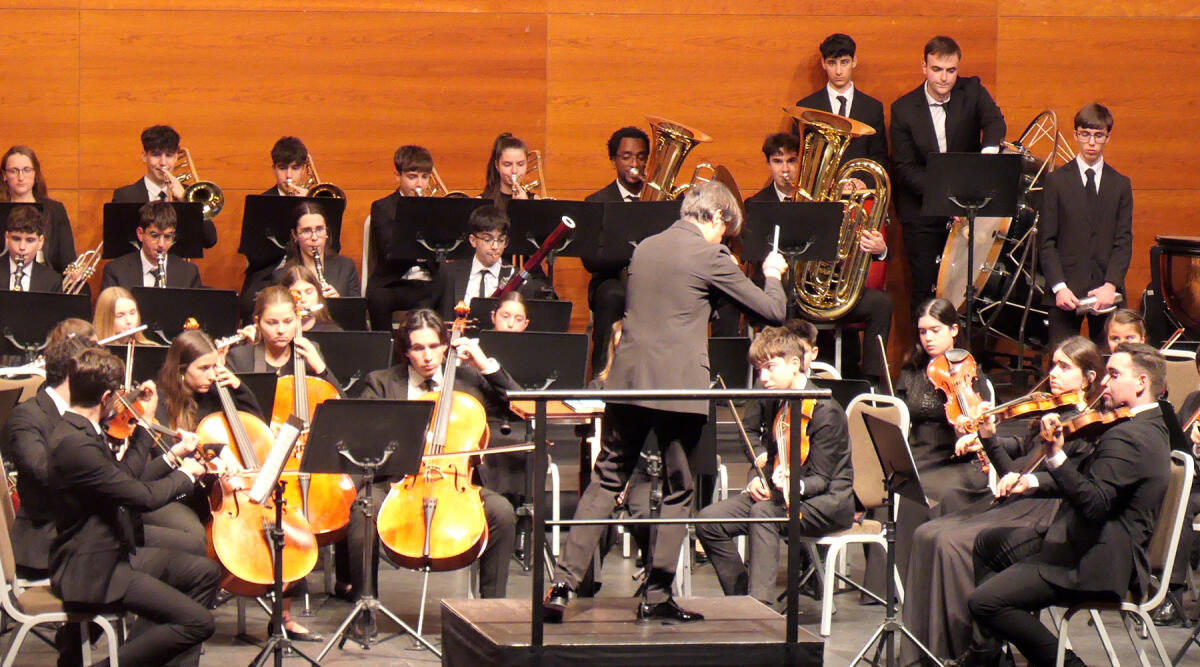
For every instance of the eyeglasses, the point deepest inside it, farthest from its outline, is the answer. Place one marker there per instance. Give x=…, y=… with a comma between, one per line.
x=19, y=171
x=1085, y=136
x=169, y=237
x=492, y=240
x=311, y=232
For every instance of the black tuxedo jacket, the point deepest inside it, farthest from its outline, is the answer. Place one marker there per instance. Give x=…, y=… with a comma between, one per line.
x=454, y=276
x=603, y=270
x=388, y=268
x=126, y=271
x=137, y=193
x=1083, y=245
x=866, y=109
x=59, y=248
x=26, y=446
x=42, y=278
x=1111, y=498
x=96, y=502
x=972, y=121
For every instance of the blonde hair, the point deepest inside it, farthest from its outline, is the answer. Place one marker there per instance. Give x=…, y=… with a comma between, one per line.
x=104, y=320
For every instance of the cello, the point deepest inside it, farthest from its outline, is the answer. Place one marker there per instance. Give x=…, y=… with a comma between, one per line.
x=434, y=519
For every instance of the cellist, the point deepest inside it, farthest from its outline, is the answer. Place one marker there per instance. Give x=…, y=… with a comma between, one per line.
x=424, y=340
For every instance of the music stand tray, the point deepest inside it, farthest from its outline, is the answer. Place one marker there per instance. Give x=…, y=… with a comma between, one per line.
x=165, y=309
x=627, y=224
x=262, y=386
x=544, y=314
x=433, y=228
x=353, y=354
x=350, y=312
x=728, y=358
x=994, y=179
x=524, y=354
x=121, y=220
x=808, y=231
x=26, y=318
x=147, y=359
x=533, y=220
x=266, y=225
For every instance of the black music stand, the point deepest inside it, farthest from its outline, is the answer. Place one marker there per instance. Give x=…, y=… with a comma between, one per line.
x=729, y=358
x=26, y=318
x=533, y=220
x=524, y=354
x=808, y=231
x=843, y=391
x=433, y=228
x=262, y=386
x=147, y=359
x=165, y=309
x=267, y=228
x=350, y=312
x=544, y=314
x=979, y=184
x=901, y=478
x=368, y=437
x=352, y=354
x=122, y=219
x=627, y=224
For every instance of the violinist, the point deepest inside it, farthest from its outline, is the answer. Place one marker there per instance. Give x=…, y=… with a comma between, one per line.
x=942, y=571
x=1096, y=545
x=826, y=477
x=117, y=312
x=424, y=341
x=310, y=303
x=99, y=556
x=1124, y=326
x=276, y=322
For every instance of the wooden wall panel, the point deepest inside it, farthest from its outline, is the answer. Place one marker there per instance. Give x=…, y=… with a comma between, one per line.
x=773, y=9
x=1100, y=8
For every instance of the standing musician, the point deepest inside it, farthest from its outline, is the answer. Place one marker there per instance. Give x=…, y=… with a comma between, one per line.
x=424, y=342
x=289, y=162
x=23, y=239
x=399, y=283
x=117, y=312
x=874, y=307
x=303, y=286
x=98, y=557
x=463, y=281
x=1087, y=228
x=945, y=114
x=672, y=278
x=310, y=238
x=140, y=268
x=1124, y=326
x=826, y=477
x=842, y=97
x=24, y=182
x=1095, y=549
x=628, y=150
x=160, y=152
x=507, y=166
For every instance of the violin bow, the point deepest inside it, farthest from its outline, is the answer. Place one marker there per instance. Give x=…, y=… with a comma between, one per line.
x=737, y=419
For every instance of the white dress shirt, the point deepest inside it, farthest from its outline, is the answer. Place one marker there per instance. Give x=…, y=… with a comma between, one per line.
x=153, y=188
x=1084, y=166
x=491, y=279
x=626, y=195
x=833, y=98
x=148, y=279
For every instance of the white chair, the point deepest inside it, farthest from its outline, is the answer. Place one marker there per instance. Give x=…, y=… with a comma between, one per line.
x=366, y=256
x=1163, y=544
x=821, y=370
x=1182, y=377
x=869, y=487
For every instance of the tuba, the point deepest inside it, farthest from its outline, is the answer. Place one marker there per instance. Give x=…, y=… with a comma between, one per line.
x=669, y=147
x=77, y=273
x=535, y=182
x=206, y=193
x=827, y=290
x=312, y=183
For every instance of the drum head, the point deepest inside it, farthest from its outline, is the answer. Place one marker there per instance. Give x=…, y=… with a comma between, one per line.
x=990, y=234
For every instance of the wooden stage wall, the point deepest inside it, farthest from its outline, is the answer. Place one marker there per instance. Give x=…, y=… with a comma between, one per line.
x=356, y=78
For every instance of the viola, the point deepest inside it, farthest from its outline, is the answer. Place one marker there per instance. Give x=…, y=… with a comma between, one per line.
x=955, y=373
x=434, y=519
x=783, y=437
x=1091, y=423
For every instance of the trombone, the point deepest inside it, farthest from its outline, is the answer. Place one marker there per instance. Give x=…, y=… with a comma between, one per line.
x=206, y=193
x=313, y=184
x=535, y=185
x=437, y=187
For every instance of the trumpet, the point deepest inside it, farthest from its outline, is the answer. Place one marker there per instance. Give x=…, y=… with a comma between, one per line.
x=208, y=194
x=77, y=273
x=161, y=280
x=313, y=184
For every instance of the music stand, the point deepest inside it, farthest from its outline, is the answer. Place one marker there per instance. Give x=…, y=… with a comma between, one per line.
x=165, y=309
x=433, y=228
x=729, y=358
x=8, y=400
x=524, y=354
x=901, y=478
x=977, y=183
x=368, y=437
x=122, y=219
x=262, y=386
x=267, y=225
x=147, y=359
x=533, y=220
x=808, y=231
x=350, y=312
x=843, y=391
x=627, y=224
x=552, y=315
x=352, y=354
x=26, y=318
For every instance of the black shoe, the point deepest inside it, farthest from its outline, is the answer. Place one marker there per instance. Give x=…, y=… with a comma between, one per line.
x=555, y=603
x=1168, y=612
x=666, y=611
x=977, y=656
x=1072, y=660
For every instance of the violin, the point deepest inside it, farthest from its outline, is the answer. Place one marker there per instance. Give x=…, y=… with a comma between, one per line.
x=955, y=373
x=434, y=519
x=783, y=437
x=1090, y=423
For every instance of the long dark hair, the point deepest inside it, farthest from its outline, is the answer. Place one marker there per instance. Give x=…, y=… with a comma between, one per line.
x=187, y=347
x=503, y=142
x=1083, y=353
x=39, y=180
x=302, y=209
x=295, y=273
x=939, y=309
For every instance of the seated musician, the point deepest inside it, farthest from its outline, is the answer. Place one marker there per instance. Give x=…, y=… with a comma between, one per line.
x=464, y=280
x=303, y=286
x=506, y=167
x=826, y=477
x=23, y=182
x=628, y=150
x=273, y=333
x=289, y=162
x=874, y=307
x=397, y=283
x=98, y=557
x=117, y=312
x=946, y=563
x=23, y=238
x=424, y=341
x=510, y=314
x=1124, y=326
x=310, y=237
x=160, y=152
x=1096, y=546
x=140, y=268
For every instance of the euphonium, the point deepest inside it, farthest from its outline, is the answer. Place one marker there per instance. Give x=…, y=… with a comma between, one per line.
x=827, y=290
x=77, y=273
x=669, y=147
x=312, y=183
x=206, y=193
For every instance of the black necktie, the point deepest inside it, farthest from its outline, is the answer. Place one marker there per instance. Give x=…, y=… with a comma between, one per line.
x=1090, y=183
x=631, y=197
x=429, y=384
x=841, y=105
x=162, y=195
x=154, y=275
x=482, y=284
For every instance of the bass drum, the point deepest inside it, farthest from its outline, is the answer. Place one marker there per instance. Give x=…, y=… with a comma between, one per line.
x=1012, y=301
x=990, y=234
x=1179, y=275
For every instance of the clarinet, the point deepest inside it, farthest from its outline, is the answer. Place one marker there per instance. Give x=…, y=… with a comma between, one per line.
x=17, y=286
x=320, y=266
x=162, y=270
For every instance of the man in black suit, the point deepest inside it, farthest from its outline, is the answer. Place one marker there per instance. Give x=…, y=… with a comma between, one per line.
x=628, y=150
x=1095, y=548
x=945, y=114
x=874, y=307
x=842, y=97
x=98, y=558
x=673, y=278
x=160, y=152
x=140, y=268
x=425, y=341
x=1087, y=229
x=24, y=236
x=463, y=280
x=826, y=477
x=394, y=282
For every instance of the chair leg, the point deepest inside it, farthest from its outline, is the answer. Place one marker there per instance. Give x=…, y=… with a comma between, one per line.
x=827, y=588
x=1134, y=639
x=1155, y=638
x=85, y=642
x=1104, y=639
x=1063, y=639
x=14, y=648
x=111, y=636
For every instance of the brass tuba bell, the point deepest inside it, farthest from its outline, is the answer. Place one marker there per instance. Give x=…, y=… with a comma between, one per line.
x=827, y=290
x=670, y=144
x=206, y=193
